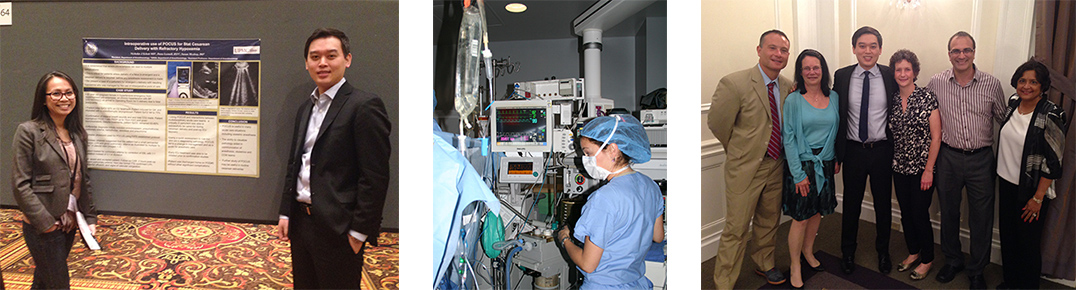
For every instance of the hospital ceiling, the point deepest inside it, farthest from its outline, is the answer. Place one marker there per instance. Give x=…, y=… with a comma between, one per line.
x=544, y=19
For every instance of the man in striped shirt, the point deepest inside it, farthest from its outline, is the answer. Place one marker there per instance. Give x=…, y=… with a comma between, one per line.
x=970, y=101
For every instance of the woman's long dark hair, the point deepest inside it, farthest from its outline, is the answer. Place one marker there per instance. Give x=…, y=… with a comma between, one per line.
x=40, y=113
x=800, y=85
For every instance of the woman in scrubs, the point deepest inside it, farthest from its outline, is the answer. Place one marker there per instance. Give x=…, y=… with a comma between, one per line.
x=621, y=218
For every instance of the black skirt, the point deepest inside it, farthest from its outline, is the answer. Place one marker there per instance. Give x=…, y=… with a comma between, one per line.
x=822, y=201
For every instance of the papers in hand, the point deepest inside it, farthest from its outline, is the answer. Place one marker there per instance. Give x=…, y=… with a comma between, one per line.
x=84, y=229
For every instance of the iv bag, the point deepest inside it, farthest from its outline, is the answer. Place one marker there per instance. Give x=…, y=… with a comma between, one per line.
x=468, y=47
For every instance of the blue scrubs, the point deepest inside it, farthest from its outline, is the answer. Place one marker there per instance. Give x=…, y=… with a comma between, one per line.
x=619, y=218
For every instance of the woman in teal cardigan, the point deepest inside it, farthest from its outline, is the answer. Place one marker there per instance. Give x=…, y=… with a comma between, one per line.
x=809, y=131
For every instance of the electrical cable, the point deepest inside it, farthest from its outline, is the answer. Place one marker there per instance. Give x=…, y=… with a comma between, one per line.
x=545, y=170
x=520, y=279
x=558, y=197
x=554, y=198
x=528, y=217
x=487, y=275
x=556, y=204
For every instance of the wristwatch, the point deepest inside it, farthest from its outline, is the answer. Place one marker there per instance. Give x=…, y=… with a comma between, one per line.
x=1037, y=200
x=562, y=241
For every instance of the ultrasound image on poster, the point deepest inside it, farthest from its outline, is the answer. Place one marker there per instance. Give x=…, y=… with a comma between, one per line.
x=239, y=82
x=206, y=80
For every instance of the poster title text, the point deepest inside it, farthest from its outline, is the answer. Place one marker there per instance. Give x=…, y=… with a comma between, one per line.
x=167, y=46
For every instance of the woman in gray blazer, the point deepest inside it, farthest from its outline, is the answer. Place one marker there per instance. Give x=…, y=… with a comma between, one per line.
x=49, y=178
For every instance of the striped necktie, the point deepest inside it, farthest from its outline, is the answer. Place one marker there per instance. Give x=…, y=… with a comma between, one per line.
x=774, y=149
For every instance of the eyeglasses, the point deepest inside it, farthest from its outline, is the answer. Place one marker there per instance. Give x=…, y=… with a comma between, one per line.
x=967, y=51
x=56, y=96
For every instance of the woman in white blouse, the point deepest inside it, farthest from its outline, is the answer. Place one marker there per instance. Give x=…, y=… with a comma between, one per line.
x=1029, y=159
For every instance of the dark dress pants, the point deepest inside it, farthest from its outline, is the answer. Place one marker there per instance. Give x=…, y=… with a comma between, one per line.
x=914, y=214
x=1021, y=242
x=49, y=251
x=860, y=162
x=321, y=259
x=974, y=172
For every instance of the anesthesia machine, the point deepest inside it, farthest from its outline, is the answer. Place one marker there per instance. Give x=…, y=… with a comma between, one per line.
x=530, y=179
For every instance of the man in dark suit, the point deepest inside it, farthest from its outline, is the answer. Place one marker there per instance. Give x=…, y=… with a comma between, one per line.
x=338, y=171
x=864, y=146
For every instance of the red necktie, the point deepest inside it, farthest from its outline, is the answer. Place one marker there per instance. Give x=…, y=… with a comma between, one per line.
x=774, y=149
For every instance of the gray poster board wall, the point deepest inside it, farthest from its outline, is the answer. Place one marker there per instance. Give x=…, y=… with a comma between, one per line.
x=47, y=36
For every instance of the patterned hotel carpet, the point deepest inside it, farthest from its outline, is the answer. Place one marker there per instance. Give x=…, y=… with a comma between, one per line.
x=156, y=253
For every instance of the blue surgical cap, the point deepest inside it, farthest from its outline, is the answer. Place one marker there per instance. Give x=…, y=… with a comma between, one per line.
x=630, y=136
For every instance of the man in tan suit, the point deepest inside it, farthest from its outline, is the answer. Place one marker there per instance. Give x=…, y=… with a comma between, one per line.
x=745, y=117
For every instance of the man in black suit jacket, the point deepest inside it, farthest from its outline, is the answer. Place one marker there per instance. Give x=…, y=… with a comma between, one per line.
x=866, y=148
x=338, y=171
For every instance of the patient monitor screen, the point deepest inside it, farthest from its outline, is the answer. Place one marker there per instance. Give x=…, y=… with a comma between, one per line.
x=521, y=126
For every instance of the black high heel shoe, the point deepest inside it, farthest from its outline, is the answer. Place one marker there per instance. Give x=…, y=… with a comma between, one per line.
x=790, y=286
x=818, y=268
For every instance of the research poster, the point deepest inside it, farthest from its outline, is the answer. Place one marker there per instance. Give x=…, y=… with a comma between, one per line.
x=184, y=106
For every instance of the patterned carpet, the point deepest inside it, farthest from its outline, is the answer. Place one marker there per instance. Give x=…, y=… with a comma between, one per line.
x=156, y=253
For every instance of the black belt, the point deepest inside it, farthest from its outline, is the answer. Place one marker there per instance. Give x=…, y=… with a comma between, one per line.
x=965, y=152
x=306, y=207
x=868, y=145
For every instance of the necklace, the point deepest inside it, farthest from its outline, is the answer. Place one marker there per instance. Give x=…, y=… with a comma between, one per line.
x=1021, y=110
x=816, y=99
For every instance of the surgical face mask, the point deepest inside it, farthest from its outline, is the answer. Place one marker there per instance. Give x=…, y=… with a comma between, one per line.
x=590, y=163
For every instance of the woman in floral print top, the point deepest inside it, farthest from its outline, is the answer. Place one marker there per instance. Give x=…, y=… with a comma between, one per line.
x=916, y=127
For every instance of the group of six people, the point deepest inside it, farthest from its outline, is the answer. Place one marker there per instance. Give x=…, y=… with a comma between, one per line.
x=784, y=142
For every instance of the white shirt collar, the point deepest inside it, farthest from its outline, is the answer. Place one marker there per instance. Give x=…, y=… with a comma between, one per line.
x=331, y=92
x=858, y=71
